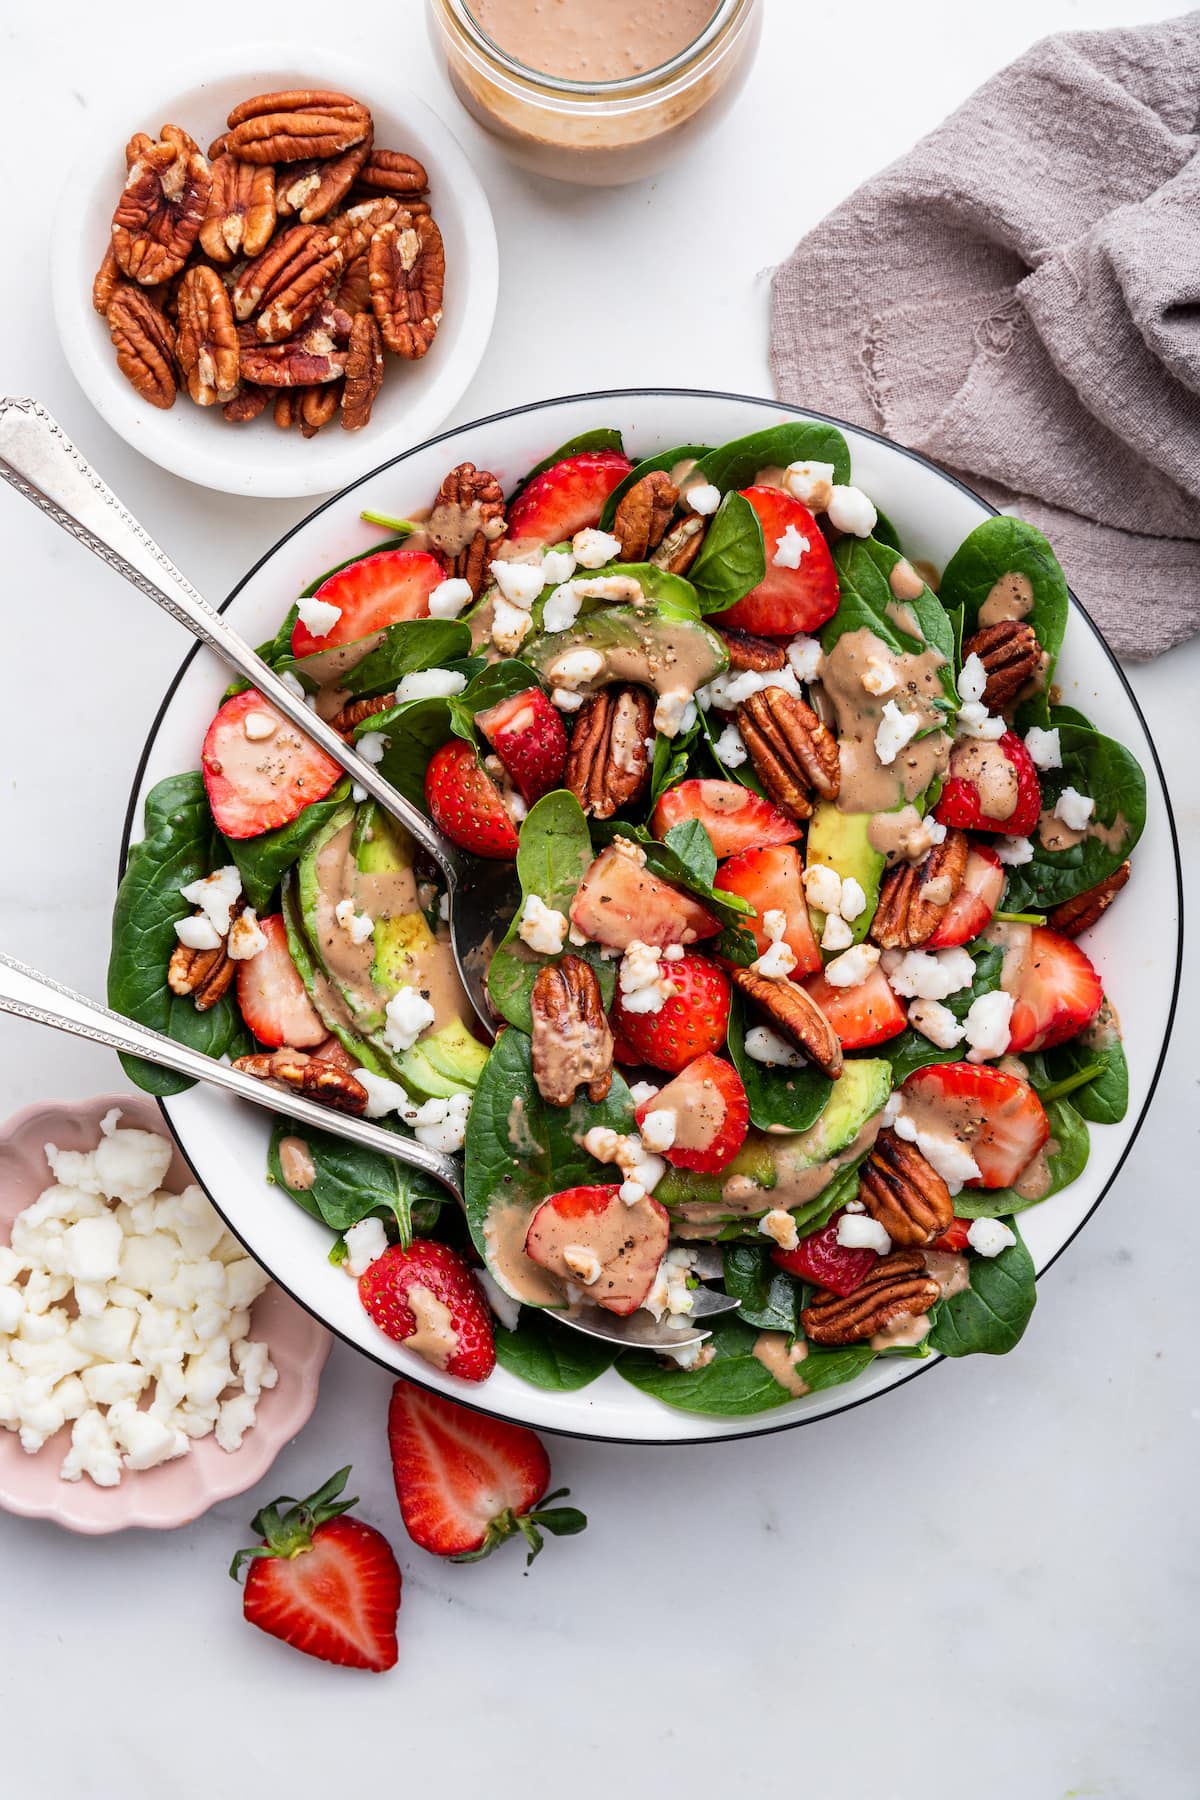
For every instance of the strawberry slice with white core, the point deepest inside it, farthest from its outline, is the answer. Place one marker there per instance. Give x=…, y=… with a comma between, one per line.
x=589, y=1236
x=619, y=902
x=772, y=880
x=995, y=1116
x=1056, y=991
x=273, y=999
x=259, y=769
x=566, y=498
x=699, y=1120
x=866, y=1014
x=370, y=595
x=528, y=736
x=734, y=817
x=975, y=901
x=799, y=590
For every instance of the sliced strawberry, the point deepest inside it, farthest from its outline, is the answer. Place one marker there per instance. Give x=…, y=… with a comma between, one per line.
x=566, y=498
x=786, y=600
x=371, y=594
x=624, y=1245
x=772, y=881
x=1056, y=992
x=528, y=736
x=975, y=901
x=465, y=802
x=619, y=902
x=693, y=1020
x=977, y=769
x=712, y=1114
x=466, y=1482
x=321, y=1582
x=624, y=1053
x=734, y=817
x=864, y=1015
x=997, y=1116
x=257, y=782
x=429, y=1290
x=271, y=996
x=954, y=1238
x=819, y=1258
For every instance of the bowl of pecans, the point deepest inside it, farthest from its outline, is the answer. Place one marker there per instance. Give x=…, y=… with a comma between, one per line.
x=294, y=270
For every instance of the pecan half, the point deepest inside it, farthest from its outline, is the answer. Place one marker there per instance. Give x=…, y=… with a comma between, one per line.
x=752, y=653
x=300, y=288
x=900, y=1189
x=268, y=273
x=354, y=228
x=247, y=404
x=643, y=514
x=354, y=289
x=364, y=372
x=357, y=710
x=309, y=1075
x=1072, y=917
x=313, y=189
x=896, y=1287
x=407, y=266
x=681, y=546
x=206, y=975
x=241, y=210
x=107, y=277
x=208, y=353
x=794, y=1013
x=608, y=764
x=318, y=406
x=572, y=1041
x=291, y=365
x=162, y=206
x=793, y=754
x=391, y=172
x=144, y=343
x=913, y=900
x=1012, y=656
x=299, y=123
x=467, y=522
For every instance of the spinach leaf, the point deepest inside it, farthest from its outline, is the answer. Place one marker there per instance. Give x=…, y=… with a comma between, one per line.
x=1066, y=1162
x=792, y=1098
x=1104, y=1098
x=864, y=571
x=413, y=731
x=602, y=437
x=694, y=848
x=733, y=1384
x=770, y=1297
x=554, y=854
x=736, y=464
x=663, y=861
x=1069, y=715
x=486, y=688
x=666, y=459
x=733, y=557
x=1004, y=546
x=262, y=861
x=181, y=845
x=410, y=645
x=885, y=532
x=352, y=1184
x=989, y=1317
x=549, y=1355
x=826, y=1367
x=912, y=1051
x=1112, y=775
x=672, y=757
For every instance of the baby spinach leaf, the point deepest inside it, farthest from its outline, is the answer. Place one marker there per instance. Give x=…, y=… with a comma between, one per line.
x=672, y=757
x=1104, y=1098
x=736, y=464
x=487, y=687
x=352, y=1184
x=549, y=1355
x=603, y=437
x=733, y=1384
x=666, y=460
x=181, y=845
x=867, y=602
x=1004, y=546
x=770, y=1297
x=911, y=1050
x=262, y=861
x=694, y=848
x=413, y=731
x=792, y=1098
x=885, y=532
x=825, y=1367
x=1070, y=715
x=733, y=557
x=410, y=645
x=1112, y=776
x=1067, y=1156
x=989, y=1317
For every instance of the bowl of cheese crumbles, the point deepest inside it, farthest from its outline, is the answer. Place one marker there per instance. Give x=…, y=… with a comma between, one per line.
x=148, y=1367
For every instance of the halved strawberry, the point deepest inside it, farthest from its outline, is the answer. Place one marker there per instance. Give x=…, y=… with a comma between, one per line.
x=466, y=1482
x=977, y=769
x=465, y=803
x=819, y=1258
x=864, y=1015
x=374, y=593
x=271, y=996
x=619, y=902
x=712, y=1114
x=430, y=1290
x=1056, y=992
x=975, y=901
x=260, y=770
x=772, y=880
x=998, y=1117
x=786, y=600
x=528, y=736
x=623, y=1244
x=693, y=1020
x=567, y=497
x=734, y=817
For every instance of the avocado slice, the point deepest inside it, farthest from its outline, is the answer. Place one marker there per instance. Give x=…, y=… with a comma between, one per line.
x=664, y=653
x=843, y=841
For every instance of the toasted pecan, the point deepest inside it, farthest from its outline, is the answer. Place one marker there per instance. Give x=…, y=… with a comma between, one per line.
x=898, y=1286
x=572, y=1043
x=795, y=1014
x=1072, y=917
x=206, y=975
x=643, y=514
x=312, y=1076
x=793, y=753
x=1012, y=658
x=913, y=901
x=608, y=763
x=467, y=522
x=750, y=653
x=681, y=546
x=903, y=1192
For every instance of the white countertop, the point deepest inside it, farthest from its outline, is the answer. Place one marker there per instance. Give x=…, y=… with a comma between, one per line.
x=980, y=1588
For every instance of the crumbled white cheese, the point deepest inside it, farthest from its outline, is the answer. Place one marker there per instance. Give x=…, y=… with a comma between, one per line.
x=837, y=934
x=852, y=967
x=198, y=933
x=431, y=684
x=510, y=624
x=592, y=549
x=811, y=483
x=929, y=974
x=823, y=888
x=583, y=1263
x=675, y=712
x=730, y=749
x=541, y=927
x=789, y=549
x=1014, y=852
x=562, y=608
x=894, y=731
x=630, y=1192
x=670, y=1293
x=947, y=1154
x=1074, y=809
x=766, y=1046
x=779, y=959
x=565, y=700
x=725, y=692
x=658, y=1129
x=557, y=566
x=987, y=1025
x=449, y=597
x=805, y=658
x=641, y=1091
x=1044, y=747
x=854, y=900
x=973, y=720
x=442, y=1124
x=973, y=678
x=259, y=726
x=216, y=895
x=408, y=1014
x=643, y=986
x=576, y=667
x=639, y=1166
x=372, y=746
x=520, y=583
x=703, y=498
x=317, y=616
x=384, y=1096
x=247, y=939
x=780, y=1227
x=357, y=926
x=879, y=677
x=937, y=1023
x=624, y=589
x=365, y=1244
x=989, y=1236
x=849, y=510
x=856, y=1231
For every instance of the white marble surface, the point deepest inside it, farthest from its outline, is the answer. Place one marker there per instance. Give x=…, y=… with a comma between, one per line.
x=984, y=1585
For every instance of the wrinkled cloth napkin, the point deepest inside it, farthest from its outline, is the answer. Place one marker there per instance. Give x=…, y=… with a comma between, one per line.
x=1018, y=298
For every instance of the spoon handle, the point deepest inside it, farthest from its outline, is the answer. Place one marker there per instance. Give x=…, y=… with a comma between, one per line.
x=39, y=460
x=27, y=995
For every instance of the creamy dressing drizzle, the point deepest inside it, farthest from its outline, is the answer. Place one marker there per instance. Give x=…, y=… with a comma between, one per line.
x=867, y=785
x=1009, y=598
x=772, y=1350
x=1054, y=835
x=296, y=1163
x=435, y=1338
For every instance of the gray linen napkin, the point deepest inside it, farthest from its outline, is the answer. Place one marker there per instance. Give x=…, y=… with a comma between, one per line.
x=1019, y=299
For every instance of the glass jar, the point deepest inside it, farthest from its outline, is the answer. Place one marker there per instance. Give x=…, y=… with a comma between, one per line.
x=605, y=132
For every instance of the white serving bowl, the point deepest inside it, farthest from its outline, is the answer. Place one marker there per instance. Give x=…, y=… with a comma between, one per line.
x=256, y=458
x=1136, y=944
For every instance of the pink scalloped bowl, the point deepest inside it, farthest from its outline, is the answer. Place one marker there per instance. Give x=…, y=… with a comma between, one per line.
x=176, y=1492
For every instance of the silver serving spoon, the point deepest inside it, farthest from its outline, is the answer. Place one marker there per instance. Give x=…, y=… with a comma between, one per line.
x=27, y=995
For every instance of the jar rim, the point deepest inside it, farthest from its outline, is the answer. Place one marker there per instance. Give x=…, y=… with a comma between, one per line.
x=626, y=84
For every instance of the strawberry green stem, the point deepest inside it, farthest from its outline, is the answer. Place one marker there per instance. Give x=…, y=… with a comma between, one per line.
x=403, y=526
x=287, y=1524
x=1006, y=918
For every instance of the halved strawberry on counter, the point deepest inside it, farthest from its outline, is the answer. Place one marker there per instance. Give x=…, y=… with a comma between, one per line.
x=997, y=1117
x=466, y=804
x=772, y=880
x=619, y=902
x=589, y=1236
x=800, y=588
x=710, y=1114
x=380, y=590
x=735, y=817
x=868, y=1013
x=1056, y=992
x=819, y=1258
x=566, y=498
x=975, y=901
x=528, y=735
x=991, y=786
x=429, y=1294
x=693, y=1020
x=273, y=999
x=259, y=769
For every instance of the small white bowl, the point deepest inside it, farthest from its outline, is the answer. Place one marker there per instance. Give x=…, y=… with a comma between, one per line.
x=256, y=458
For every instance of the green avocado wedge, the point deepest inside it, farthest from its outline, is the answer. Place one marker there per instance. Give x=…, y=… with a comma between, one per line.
x=647, y=648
